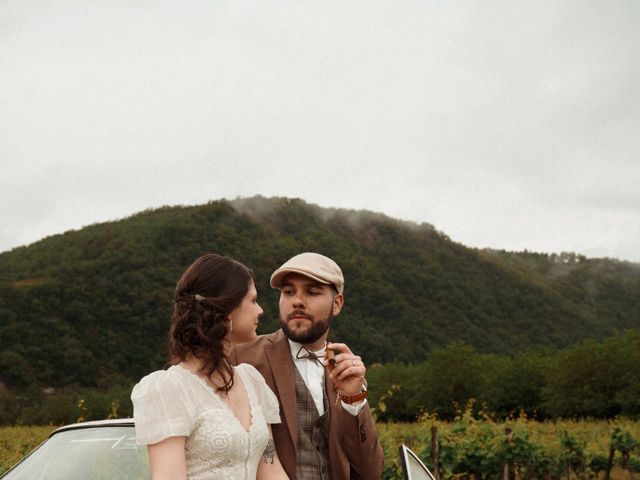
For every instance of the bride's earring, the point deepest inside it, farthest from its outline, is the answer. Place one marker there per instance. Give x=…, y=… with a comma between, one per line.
x=230, y=326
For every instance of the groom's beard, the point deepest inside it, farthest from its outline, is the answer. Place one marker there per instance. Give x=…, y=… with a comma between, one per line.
x=308, y=335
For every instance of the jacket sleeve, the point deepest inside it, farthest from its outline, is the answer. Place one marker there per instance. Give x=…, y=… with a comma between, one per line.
x=361, y=444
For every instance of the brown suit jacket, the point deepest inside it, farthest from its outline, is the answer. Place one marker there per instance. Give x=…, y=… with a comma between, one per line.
x=354, y=450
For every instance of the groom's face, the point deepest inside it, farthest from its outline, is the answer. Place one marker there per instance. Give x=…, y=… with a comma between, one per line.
x=306, y=308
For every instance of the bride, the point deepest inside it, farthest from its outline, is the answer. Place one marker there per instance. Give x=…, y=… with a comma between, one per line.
x=201, y=418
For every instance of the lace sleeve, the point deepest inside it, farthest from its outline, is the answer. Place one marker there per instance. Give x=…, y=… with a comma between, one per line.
x=267, y=399
x=159, y=408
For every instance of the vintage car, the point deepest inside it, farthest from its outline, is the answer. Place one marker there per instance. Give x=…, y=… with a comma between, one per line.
x=412, y=466
x=99, y=450
x=107, y=449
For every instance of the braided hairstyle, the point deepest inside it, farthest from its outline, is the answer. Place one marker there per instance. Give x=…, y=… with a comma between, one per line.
x=209, y=289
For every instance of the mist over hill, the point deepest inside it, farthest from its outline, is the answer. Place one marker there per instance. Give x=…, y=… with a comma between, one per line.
x=91, y=307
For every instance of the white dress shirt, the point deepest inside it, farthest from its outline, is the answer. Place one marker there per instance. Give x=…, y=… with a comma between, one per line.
x=312, y=372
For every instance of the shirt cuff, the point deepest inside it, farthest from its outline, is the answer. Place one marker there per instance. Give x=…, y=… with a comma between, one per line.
x=354, y=409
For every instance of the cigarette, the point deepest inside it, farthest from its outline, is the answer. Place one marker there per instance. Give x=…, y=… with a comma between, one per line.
x=330, y=354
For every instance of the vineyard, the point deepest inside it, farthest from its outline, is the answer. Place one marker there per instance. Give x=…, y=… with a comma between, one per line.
x=473, y=449
x=16, y=442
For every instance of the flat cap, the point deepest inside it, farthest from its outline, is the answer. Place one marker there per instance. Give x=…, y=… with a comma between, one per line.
x=312, y=265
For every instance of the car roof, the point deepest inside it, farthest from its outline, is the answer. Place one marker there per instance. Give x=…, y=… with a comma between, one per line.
x=114, y=422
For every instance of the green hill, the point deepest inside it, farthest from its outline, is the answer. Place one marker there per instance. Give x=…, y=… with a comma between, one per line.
x=91, y=307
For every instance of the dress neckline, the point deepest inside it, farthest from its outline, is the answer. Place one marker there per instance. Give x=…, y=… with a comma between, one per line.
x=226, y=406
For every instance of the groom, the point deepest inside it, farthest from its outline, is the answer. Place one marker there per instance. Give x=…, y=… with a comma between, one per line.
x=327, y=431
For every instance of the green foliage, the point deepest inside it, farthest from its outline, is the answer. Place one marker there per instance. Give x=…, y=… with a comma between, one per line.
x=470, y=447
x=16, y=442
x=15, y=370
x=34, y=407
x=625, y=443
x=90, y=309
x=578, y=381
x=475, y=446
x=595, y=378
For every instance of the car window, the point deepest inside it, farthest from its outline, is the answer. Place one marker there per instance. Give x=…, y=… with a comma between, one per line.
x=412, y=466
x=88, y=453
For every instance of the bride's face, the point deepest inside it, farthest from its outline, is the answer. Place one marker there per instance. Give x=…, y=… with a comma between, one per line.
x=244, y=318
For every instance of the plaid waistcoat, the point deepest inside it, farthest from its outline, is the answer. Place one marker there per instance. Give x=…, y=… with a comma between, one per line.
x=313, y=435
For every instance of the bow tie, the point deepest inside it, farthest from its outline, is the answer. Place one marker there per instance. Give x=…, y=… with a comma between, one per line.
x=304, y=352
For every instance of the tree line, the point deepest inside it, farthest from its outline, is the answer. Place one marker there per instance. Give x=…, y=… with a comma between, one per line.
x=592, y=379
x=598, y=379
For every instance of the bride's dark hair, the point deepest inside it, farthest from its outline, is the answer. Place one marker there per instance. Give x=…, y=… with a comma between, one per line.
x=209, y=289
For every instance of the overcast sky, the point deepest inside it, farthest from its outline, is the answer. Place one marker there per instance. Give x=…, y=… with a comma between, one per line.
x=511, y=125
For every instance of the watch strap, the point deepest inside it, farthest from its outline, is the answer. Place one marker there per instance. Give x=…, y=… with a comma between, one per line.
x=349, y=399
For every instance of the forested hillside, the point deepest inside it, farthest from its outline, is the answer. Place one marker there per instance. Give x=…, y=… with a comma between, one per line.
x=92, y=307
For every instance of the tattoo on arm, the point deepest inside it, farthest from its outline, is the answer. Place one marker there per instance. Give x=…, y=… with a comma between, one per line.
x=269, y=454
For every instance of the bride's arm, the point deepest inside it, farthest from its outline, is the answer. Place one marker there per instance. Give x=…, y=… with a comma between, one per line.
x=168, y=460
x=270, y=467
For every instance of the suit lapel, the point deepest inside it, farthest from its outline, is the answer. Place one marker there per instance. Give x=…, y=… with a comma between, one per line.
x=279, y=357
x=330, y=389
x=334, y=416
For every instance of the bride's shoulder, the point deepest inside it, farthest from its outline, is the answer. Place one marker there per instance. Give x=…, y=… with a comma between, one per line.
x=158, y=382
x=250, y=373
x=247, y=369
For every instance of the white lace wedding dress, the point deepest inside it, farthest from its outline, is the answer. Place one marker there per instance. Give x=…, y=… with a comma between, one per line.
x=176, y=402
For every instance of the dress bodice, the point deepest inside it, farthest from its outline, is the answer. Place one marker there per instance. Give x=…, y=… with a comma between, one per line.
x=177, y=402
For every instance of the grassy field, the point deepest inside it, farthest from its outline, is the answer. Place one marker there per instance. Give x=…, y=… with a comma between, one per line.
x=553, y=445
x=16, y=442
